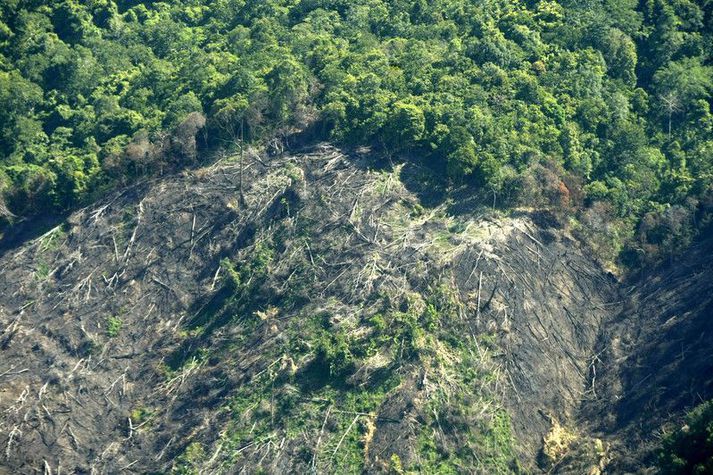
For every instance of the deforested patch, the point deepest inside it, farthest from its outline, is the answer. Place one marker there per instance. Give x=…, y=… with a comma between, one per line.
x=318, y=318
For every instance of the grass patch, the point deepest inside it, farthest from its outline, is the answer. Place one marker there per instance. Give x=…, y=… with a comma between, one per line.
x=113, y=326
x=188, y=463
x=42, y=271
x=140, y=415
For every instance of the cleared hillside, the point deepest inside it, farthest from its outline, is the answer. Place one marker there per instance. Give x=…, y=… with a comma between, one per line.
x=328, y=321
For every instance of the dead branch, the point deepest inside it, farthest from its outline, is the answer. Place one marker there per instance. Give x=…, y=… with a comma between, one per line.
x=130, y=465
x=116, y=248
x=356, y=418
x=75, y=441
x=165, y=447
x=111, y=388
x=131, y=428
x=133, y=234
x=210, y=461
x=12, y=372
x=165, y=286
x=319, y=441
x=11, y=437
x=97, y=213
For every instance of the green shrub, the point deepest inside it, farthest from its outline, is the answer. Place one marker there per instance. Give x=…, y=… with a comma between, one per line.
x=690, y=448
x=140, y=415
x=113, y=326
x=189, y=462
x=334, y=353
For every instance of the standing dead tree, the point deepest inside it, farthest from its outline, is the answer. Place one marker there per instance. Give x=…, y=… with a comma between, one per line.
x=230, y=121
x=671, y=104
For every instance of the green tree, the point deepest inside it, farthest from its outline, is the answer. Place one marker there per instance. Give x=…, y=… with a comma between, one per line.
x=404, y=127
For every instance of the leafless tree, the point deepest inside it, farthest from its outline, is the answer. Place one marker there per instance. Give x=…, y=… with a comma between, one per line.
x=672, y=104
x=140, y=153
x=231, y=124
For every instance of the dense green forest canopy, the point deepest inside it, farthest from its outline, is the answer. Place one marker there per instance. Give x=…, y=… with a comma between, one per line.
x=601, y=108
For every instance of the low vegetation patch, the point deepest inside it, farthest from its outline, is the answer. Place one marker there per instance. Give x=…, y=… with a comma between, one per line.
x=113, y=326
x=689, y=449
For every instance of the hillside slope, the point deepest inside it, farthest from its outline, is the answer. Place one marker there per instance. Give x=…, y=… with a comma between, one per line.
x=655, y=359
x=322, y=321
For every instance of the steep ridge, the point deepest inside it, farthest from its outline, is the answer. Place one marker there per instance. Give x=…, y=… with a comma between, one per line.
x=655, y=359
x=320, y=320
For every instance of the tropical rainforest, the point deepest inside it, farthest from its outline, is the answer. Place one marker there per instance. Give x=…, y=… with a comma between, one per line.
x=600, y=109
